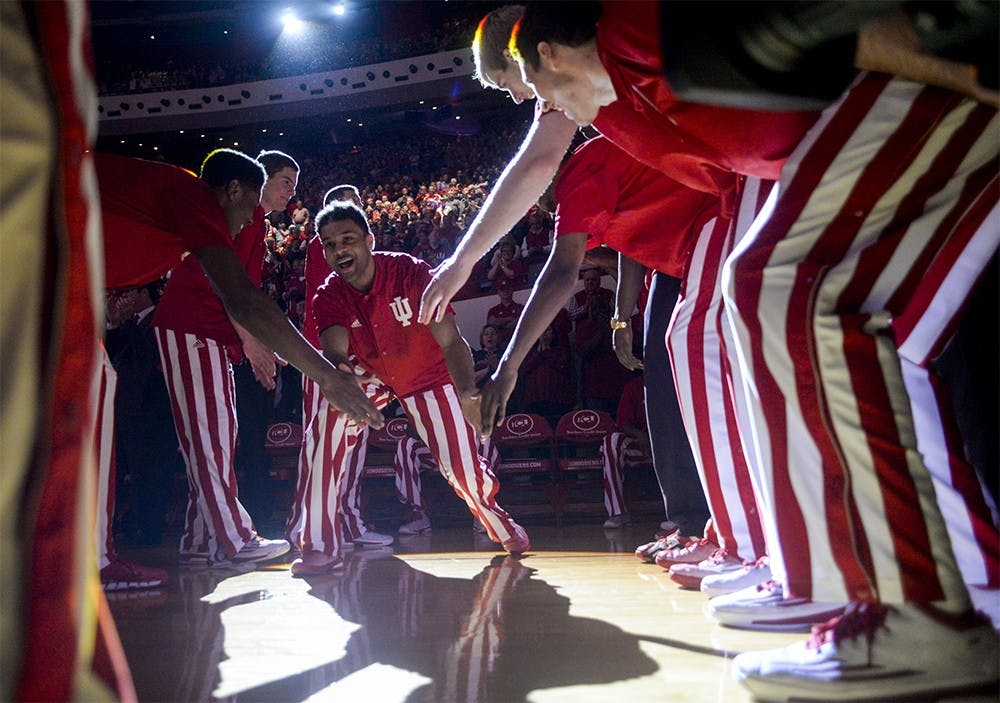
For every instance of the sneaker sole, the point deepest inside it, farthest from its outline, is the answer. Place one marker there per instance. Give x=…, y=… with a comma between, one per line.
x=891, y=686
x=796, y=623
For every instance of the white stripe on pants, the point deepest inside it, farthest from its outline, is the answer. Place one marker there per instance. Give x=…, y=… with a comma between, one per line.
x=922, y=331
x=311, y=398
x=202, y=394
x=703, y=377
x=413, y=456
x=104, y=441
x=877, y=187
x=618, y=451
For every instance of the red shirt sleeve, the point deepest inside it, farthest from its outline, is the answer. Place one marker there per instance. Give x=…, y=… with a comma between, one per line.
x=329, y=306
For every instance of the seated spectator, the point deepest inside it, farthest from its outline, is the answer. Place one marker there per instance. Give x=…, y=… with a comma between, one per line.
x=592, y=289
x=506, y=265
x=547, y=375
x=628, y=443
x=486, y=359
x=504, y=315
x=439, y=247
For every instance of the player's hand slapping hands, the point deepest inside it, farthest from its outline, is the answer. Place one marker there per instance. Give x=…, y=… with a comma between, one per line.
x=447, y=279
x=343, y=389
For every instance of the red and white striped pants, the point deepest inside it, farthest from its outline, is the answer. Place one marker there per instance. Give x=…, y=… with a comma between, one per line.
x=618, y=451
x=436, y=414
x=887, y=179
x=413, y=456
x=202, y=395
x=703, y=374
x=352, y=525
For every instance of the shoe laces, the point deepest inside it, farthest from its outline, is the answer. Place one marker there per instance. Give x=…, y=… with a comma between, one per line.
x=858, y=619
x=768, y=585
x=719, y=556
x=756, y=563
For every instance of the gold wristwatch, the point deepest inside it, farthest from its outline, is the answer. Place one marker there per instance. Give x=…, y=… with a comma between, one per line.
x=617, y=324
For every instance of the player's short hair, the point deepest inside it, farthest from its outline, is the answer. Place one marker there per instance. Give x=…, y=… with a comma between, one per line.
x=274, y=161
x=222, y=166
x=491, y=39
x=344, y=191
x=342, y=210
x=567, y=23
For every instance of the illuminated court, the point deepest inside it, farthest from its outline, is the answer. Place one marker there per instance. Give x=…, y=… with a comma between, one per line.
x=579, y=618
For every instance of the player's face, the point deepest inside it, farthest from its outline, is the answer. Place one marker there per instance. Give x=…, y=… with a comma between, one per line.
x=509, y=79
x=561, y=88
x=348, y=251
x=239, y=206
x=279, y=189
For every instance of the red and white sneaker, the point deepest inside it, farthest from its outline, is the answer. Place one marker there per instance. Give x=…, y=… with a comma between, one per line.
x=764, y=607
x=690, y=575
x=316, y=563
x=752, y=573
x=691, y=553
x=879, y=652
x=121, y=575
x=647, y=552
x=519, y=542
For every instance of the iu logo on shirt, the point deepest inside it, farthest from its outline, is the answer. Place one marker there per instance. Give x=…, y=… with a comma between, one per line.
x=401, y=310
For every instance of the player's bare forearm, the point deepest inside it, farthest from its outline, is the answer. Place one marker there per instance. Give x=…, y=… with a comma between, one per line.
x=630, y=277
x=548, y=295
x=517, y=189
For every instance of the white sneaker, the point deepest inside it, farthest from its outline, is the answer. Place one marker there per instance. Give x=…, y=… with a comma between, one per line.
x=764, y=607
x=752, y=573
x=617, y=521
x=257, y=549
x=879, y=652
x=690, y=575
x=373, y=538
x=416, y=526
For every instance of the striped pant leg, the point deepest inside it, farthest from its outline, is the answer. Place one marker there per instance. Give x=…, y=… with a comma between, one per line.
x=488, y=450
x=410, y=454
x=350, y=502
x=311, y=396
x=329, y=442
x=613, y=450
x=202, y=395
x=703, y=377
x=922, y=331
x=104, y=441
x=437, y=416
x=886, y=176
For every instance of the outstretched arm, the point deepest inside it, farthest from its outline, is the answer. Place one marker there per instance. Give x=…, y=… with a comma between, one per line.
x=553, y=287
x=630, y=277
x=252, y=309
x=518, y=188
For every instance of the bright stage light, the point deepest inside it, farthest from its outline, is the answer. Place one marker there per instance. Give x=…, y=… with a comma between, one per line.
x=339, y=9
x=293, y=25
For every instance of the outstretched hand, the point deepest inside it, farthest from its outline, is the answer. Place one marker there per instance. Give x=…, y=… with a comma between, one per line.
x=447, y=279
x=342, y=389
x=495, y=393
x=621, y=340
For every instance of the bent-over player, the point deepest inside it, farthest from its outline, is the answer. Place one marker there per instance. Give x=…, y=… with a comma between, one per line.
x=365, y=314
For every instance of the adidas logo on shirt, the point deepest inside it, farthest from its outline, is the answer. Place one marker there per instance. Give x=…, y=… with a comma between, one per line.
x=356, y=323
x=198, y=344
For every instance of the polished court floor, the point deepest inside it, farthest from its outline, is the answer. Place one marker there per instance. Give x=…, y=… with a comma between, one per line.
x=435, y=618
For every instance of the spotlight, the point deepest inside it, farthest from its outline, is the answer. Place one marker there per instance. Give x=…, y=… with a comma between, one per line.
x=339, y=9
x=291, y=21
